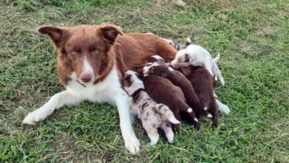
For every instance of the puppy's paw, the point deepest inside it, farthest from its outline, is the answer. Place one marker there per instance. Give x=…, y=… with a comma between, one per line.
x=132, y=144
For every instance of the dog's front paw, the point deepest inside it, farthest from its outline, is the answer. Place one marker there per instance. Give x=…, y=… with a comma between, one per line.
x=132, y=144
x=34, y=117
x=29, y=119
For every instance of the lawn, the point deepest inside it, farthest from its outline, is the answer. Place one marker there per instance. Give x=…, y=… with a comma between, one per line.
x=251, y=36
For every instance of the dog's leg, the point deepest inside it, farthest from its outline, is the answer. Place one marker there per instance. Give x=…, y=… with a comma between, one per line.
x=130, y=140
x=152, y=132
x=166, y=126
x=55, y=102
x=208, y=66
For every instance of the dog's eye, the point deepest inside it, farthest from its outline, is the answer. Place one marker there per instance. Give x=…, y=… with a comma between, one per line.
x=95, y=51
x=73, y=52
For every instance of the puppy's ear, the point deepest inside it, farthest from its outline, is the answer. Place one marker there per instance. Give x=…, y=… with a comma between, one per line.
x=56, y=34
x=109, y=32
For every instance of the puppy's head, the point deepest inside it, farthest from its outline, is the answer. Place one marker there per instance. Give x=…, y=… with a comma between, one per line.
x=84, y=50
x=157, y=68
x=181, y=59
x=131, y=82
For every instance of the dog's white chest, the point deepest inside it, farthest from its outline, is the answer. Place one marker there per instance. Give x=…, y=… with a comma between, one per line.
x=100, y=92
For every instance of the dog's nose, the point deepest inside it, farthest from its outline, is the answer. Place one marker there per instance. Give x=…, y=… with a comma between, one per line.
x=86, y=78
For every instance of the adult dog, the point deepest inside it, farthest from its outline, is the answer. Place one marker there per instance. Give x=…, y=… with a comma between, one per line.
x=91, y=63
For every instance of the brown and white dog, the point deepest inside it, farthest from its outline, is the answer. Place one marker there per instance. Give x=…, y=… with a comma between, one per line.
x=152, y=114
x=91, y=64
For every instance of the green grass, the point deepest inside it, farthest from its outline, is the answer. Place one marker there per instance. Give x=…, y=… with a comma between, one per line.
x=252, y=37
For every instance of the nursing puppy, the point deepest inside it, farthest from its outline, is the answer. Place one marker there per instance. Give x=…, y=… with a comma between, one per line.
x=151, y=114
x=196, y=55
x=161, y=90
x=159, y=68
x=178, y=46
x=204, y=87
x=91, y=62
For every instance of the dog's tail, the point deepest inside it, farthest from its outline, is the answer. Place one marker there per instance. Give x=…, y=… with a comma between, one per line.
x=167, y=113
x=222, y=107
x=217, y=72
x=217, y=58
x=189, y=41
x=216, y=69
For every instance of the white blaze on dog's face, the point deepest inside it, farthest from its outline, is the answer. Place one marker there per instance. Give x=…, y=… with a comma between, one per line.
x=148, y=66
x=131, y=82
x=181, y=59
x=84, y=50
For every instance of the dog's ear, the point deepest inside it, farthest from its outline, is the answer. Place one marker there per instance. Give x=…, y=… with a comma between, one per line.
x=56, y=34
x=110, y=32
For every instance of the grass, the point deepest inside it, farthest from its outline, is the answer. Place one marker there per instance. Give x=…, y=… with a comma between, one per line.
x=252, y=37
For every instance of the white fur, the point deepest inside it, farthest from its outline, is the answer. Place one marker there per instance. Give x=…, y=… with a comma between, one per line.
x=198, y=56
x=222, y=107
x=87, y=70
x=147, y=67
x=160, y=120
x=157, y=57
x=171, y=69
x=108, y=90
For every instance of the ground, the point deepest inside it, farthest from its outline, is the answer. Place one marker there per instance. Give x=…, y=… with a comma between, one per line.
x=251, y=36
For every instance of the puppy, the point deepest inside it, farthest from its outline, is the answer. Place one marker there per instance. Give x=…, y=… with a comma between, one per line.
x=179, y=46
x=151, y=114
x=161, y=69
x=196, y=55
x=161, y=90
x=204, y=88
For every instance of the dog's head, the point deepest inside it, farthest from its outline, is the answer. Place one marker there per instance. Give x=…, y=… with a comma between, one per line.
x=84, y=50
x=158, y=68
x=181, y=59
x=131, y=82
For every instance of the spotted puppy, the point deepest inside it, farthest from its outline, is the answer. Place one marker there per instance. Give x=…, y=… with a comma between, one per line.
x=151, y=114
x=160, y=68
x=161, y=90
x=196, y=55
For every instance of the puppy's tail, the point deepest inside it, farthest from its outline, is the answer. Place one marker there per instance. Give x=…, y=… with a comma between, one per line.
x=217, y=58
x=222, y=107
x=217, y=72
x=168, y=114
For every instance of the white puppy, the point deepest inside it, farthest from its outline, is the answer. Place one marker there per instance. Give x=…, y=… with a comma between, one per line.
x=196, y=55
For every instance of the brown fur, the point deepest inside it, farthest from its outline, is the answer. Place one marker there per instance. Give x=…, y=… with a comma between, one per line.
x=204, y=88
x=180, y=80
x=163, y=91
x=106, y=45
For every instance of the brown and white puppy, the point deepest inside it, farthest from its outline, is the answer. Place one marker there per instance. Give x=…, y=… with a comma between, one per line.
x=177, y=78
x=91, y=62
x=203, y=85
x=151, y=114
x=161, y=90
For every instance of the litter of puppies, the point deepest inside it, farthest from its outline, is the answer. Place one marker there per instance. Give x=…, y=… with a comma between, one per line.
x=185, y=85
